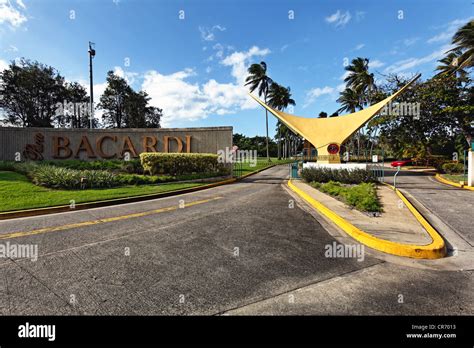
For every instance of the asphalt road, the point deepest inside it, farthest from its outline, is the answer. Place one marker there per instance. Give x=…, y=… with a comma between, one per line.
x=240, y=248
x=455, y=206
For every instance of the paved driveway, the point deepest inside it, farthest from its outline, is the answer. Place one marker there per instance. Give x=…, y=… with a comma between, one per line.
x=229, y=247
x=455, y=206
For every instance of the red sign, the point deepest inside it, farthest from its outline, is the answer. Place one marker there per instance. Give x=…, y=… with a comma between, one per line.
x=333, y=149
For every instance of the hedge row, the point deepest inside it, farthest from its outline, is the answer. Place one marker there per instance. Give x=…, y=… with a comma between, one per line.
x=453, y=168
x=181, y=163
x=345, y=176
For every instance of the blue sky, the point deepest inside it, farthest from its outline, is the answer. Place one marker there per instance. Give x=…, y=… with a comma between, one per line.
x=194, y=67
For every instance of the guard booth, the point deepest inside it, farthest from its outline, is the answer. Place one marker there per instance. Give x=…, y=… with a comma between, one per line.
x=310, y=153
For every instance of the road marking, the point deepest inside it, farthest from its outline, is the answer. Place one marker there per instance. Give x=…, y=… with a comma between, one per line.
x=100, y=221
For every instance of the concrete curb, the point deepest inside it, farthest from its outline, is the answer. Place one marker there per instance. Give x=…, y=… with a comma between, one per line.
x=452, y=183
x=435, y=250
x=82, y=206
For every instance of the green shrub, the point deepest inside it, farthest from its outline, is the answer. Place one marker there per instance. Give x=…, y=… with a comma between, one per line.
x=345, y=176
x=363, y=196
x=453, y=167
x=64, y=178
x=25, y=168
x=7, y=165
x=180, y=163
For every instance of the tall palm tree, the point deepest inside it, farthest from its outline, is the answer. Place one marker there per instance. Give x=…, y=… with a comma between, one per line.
x=350, y=101
x=258, y=79
x=450, y=65
x=279, y=98
x=359, y=79
x=464, y=42
x=362, y=82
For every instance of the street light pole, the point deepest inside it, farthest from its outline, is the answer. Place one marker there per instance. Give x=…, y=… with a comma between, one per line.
x=91, y=55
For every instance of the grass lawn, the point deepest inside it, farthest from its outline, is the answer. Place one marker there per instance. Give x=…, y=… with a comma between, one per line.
x=363, y=196
x=454, y=178
x=17, y=193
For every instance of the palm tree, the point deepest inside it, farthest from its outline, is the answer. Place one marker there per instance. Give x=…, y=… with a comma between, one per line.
x=360, y=80
x=258, y=79
x=450, y=65
x=362, y=84
x=279, y=98
x=350, y=101
x=464, y=42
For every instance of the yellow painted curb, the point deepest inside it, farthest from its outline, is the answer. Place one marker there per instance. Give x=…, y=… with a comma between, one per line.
x=452, y=183
x=435, y=250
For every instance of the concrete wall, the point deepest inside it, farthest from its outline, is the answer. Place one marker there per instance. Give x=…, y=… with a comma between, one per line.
x=92, y=144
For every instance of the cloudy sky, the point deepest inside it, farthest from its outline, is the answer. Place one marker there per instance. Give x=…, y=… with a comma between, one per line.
x=191, y=56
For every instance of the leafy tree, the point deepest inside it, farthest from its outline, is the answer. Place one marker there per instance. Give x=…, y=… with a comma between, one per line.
x=113, y=101
x=257, y=143
x=125, y=108
x=259, y=80
x=446, y=109
x=74, y=110
x=323, y=114
x=30, y=92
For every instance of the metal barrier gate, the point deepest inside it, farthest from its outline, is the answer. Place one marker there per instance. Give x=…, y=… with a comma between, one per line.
x=294, y=166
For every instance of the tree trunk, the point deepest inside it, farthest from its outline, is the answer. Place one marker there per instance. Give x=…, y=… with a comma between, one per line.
x=266, y=122
x=279, y=141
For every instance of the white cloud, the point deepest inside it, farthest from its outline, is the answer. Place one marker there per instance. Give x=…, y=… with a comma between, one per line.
x=315, y=93
x=207, y=34
x=339, y=19
x=410, y=63
x=21, y=4
x=239, y=61
x=181, y=99
x=11, y=14
x=449, y=29
x=374, y=64
x=3, y=65
x=284, y=47
x=129, y=76
x=359, y=46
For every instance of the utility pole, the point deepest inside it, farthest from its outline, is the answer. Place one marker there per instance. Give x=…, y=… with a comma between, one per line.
x=91, y=55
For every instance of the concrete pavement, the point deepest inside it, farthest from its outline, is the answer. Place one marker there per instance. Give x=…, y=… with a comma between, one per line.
x=453, y=205
x=226, y=248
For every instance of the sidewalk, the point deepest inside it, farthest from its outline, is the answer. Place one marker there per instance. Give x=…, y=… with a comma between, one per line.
x=396, y=223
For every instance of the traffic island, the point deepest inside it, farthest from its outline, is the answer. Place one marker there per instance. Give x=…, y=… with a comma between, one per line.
x=443, y=180
x=399, y=230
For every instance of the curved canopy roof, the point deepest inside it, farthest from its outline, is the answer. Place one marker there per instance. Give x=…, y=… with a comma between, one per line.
x=323, y=131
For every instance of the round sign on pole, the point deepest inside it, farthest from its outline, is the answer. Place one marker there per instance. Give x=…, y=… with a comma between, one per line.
x=333, y=149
